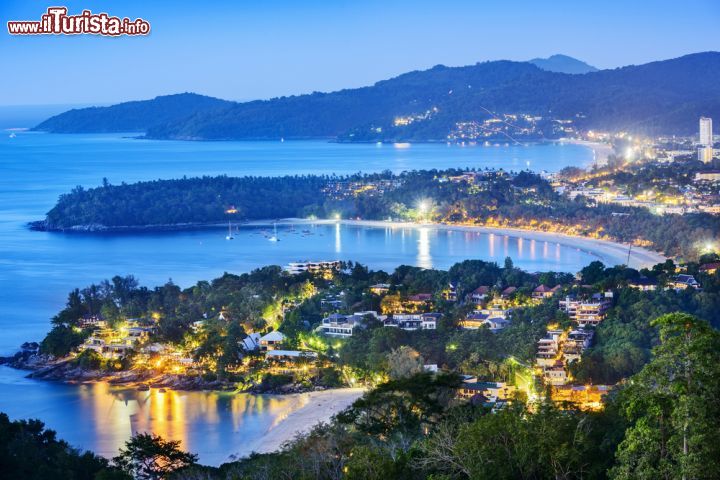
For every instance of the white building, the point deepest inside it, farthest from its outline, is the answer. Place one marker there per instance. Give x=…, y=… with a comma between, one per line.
x=414, y=321
x=705, y=148
x=338, y=325
x=706, y=135
x=272, y=340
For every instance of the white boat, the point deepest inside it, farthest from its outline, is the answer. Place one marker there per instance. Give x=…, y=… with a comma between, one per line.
x=229, y=236
x=274, y=237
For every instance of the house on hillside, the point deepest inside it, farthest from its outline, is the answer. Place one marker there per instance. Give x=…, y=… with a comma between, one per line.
x=682, y=281
x=479, y=295
x=414, y=321
x=271, y=341
x=338, y=325
x=644, y=284
x=710, y=268
x=541, y=292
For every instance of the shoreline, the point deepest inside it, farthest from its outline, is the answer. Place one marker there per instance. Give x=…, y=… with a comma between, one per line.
x=316, y=407
x=612, y=252
x=604, y=249
x=601, y=151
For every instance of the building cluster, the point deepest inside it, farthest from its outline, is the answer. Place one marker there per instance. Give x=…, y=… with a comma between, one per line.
x=561, y=347
x=490, y=394
x=344, y=189
x=344, y=326
x=316, y=268
x=509, y=128
x=671, y=194
x=587, y=312
x=113, y=343
x=405, y=120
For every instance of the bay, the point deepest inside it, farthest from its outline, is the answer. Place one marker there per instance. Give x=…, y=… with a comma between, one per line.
x=38, y=269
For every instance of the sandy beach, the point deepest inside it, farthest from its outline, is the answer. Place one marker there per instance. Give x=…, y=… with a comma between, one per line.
x=601, y=151
x=610, y=253
x=311, y=408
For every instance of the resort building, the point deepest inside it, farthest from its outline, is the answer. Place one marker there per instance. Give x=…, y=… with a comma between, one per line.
x=380, y=288
x=295, y=268
x=271, y=341
x=548, y=351
x=643, y=284
x=414, y=321
x=251, y=342
x=479, y=295
x=92, y=321
x=589, y=397
x=543, y=291
x=576, y=343
x=587, y=312
x=555, y=374
x=490, y=391
x=710, y=268
x=338, y=325
x=449, y=294
x=681, y=282
x=494, y=319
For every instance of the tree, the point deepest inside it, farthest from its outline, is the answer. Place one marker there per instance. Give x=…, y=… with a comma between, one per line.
x=672, y=406
x=404, y=362
x=148, y=456
x=29, y=451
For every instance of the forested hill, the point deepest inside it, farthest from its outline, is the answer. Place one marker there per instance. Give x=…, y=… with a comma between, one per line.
x=660, y=97
x=490, y=198
x=131, y=116
x=563, y=64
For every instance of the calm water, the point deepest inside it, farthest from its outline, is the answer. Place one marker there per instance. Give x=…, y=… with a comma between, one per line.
x=38, y=269
x=214, y=425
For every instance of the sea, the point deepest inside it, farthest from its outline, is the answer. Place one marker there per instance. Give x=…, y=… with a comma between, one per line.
x=38, y=269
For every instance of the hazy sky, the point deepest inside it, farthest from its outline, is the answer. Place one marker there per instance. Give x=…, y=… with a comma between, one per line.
x=244, y=50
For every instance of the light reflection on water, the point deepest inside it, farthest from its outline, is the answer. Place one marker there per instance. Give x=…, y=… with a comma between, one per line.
x=101, y=417
x=38, y=269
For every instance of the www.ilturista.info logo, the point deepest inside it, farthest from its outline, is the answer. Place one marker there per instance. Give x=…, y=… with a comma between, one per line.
x=57, y=22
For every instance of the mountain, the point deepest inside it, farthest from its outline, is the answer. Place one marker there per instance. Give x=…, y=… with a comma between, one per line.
x=562, y=64
x=135, y=116
x=659, y=97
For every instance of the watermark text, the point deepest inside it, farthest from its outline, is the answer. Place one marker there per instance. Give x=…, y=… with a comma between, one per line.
x=57, y=22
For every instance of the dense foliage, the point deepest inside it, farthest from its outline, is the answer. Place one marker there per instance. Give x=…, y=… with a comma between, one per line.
x=135, y=116
x=493, y=198
x=28, y=451
x=664, y=424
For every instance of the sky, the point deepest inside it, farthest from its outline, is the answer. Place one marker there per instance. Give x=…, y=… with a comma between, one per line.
x=243, y=50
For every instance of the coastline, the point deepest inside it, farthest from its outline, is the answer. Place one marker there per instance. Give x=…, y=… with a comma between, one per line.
x=316, y=407
x=613, y=253
x=601, y=151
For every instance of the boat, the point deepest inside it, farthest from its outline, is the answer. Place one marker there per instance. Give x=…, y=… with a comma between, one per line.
x=229, y=236
x=274, y=237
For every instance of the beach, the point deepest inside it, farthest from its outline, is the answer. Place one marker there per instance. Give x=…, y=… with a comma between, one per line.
x=312, y=408
x=601, y=151
x=610, y=253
